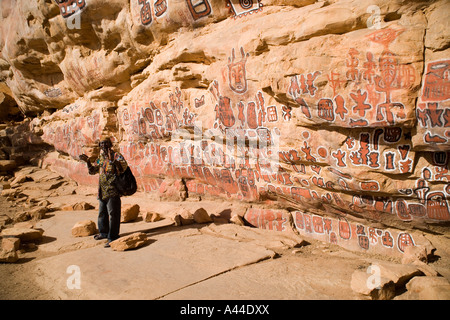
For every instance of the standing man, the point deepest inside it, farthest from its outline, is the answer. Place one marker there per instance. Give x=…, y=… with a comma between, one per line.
x=109, y=165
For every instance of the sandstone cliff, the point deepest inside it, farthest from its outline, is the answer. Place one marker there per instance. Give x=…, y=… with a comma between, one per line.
x=336, y=110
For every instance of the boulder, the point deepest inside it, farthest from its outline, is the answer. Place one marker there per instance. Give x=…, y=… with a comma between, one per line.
x=5, y=185
x=415, y=253
x=130, y=212
x=10, y=243
x=23, y=233
x=176, y=219
x=19, y=180
x=237, y=219
x=83, y=206
x=429, y=288
x=182, y=216
x=37, y=212
x=378, y=289
x=43, y=203
x=79, y=206
x=9, y=256
x=426, y=269
x=84, y=228
x=21, y=216
x=201, y=216
x=150, y=216
x=10, y=193
x=131, y=241
x=381, y=279
x=398, y=273
x=4, y=220
x=186, y=217
x=7, y=165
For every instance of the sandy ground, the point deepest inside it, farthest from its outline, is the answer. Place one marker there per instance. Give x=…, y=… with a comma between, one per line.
x=199, y=261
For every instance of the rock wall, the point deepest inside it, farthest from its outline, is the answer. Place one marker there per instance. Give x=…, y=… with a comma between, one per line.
x=336, y=110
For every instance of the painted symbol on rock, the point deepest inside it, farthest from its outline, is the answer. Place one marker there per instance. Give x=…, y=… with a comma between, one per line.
x=244, y=7
x=352, y=63
x=70, y=7
x=160, y=7
x=146, y=12
x=224, y=113
x=199, y=8
x=386, y=83
x=286, y=113
x=361, y=106
x=325, y=109
x=385, y=36
x=387, y=240
x=437, y=207
x=404, y=240
x=392, y=76
x=237, y=77
x=344, y=229
x=437, y=81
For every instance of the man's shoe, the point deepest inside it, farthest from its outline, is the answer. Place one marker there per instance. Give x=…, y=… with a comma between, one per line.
x=99, y=237
x=107, y=244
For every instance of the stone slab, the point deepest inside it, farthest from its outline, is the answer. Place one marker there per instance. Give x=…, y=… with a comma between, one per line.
x=59, y=224
x=166, y=265
x=289, y=278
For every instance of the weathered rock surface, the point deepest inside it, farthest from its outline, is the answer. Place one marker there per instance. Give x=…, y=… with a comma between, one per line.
x=78, y=206
x=8, y=249
x=7, y=165
x=340, y=114
x=10, y=243
x=429, y=288
x=383, y=289
x=236, y=219
x=399, y=274
x=182, y=217
x=266, y=238
x=230, y=260
x=382, y=280
x=132, y=241
x=8, y=256
x=129, y=212
x=415, y=254
x=23, y=233
x=150, y=216
x=84, y=228
x=201, y=216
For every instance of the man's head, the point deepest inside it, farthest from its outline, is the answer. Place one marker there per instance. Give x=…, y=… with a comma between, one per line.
x=105, y=144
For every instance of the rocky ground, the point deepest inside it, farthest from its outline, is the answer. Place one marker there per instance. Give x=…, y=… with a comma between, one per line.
x=184, y=250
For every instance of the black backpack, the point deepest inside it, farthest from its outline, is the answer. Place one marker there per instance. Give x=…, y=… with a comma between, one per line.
x=126, y=183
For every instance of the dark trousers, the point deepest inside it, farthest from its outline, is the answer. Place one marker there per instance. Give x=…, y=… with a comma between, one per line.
x=109, y=218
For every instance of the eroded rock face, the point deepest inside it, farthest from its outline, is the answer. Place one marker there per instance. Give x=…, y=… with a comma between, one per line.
x=337, y=109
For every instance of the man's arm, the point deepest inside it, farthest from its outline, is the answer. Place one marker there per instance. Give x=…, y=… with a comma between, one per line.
x=92, y=169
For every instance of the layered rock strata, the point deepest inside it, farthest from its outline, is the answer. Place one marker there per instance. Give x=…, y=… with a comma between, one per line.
x=336, y=111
